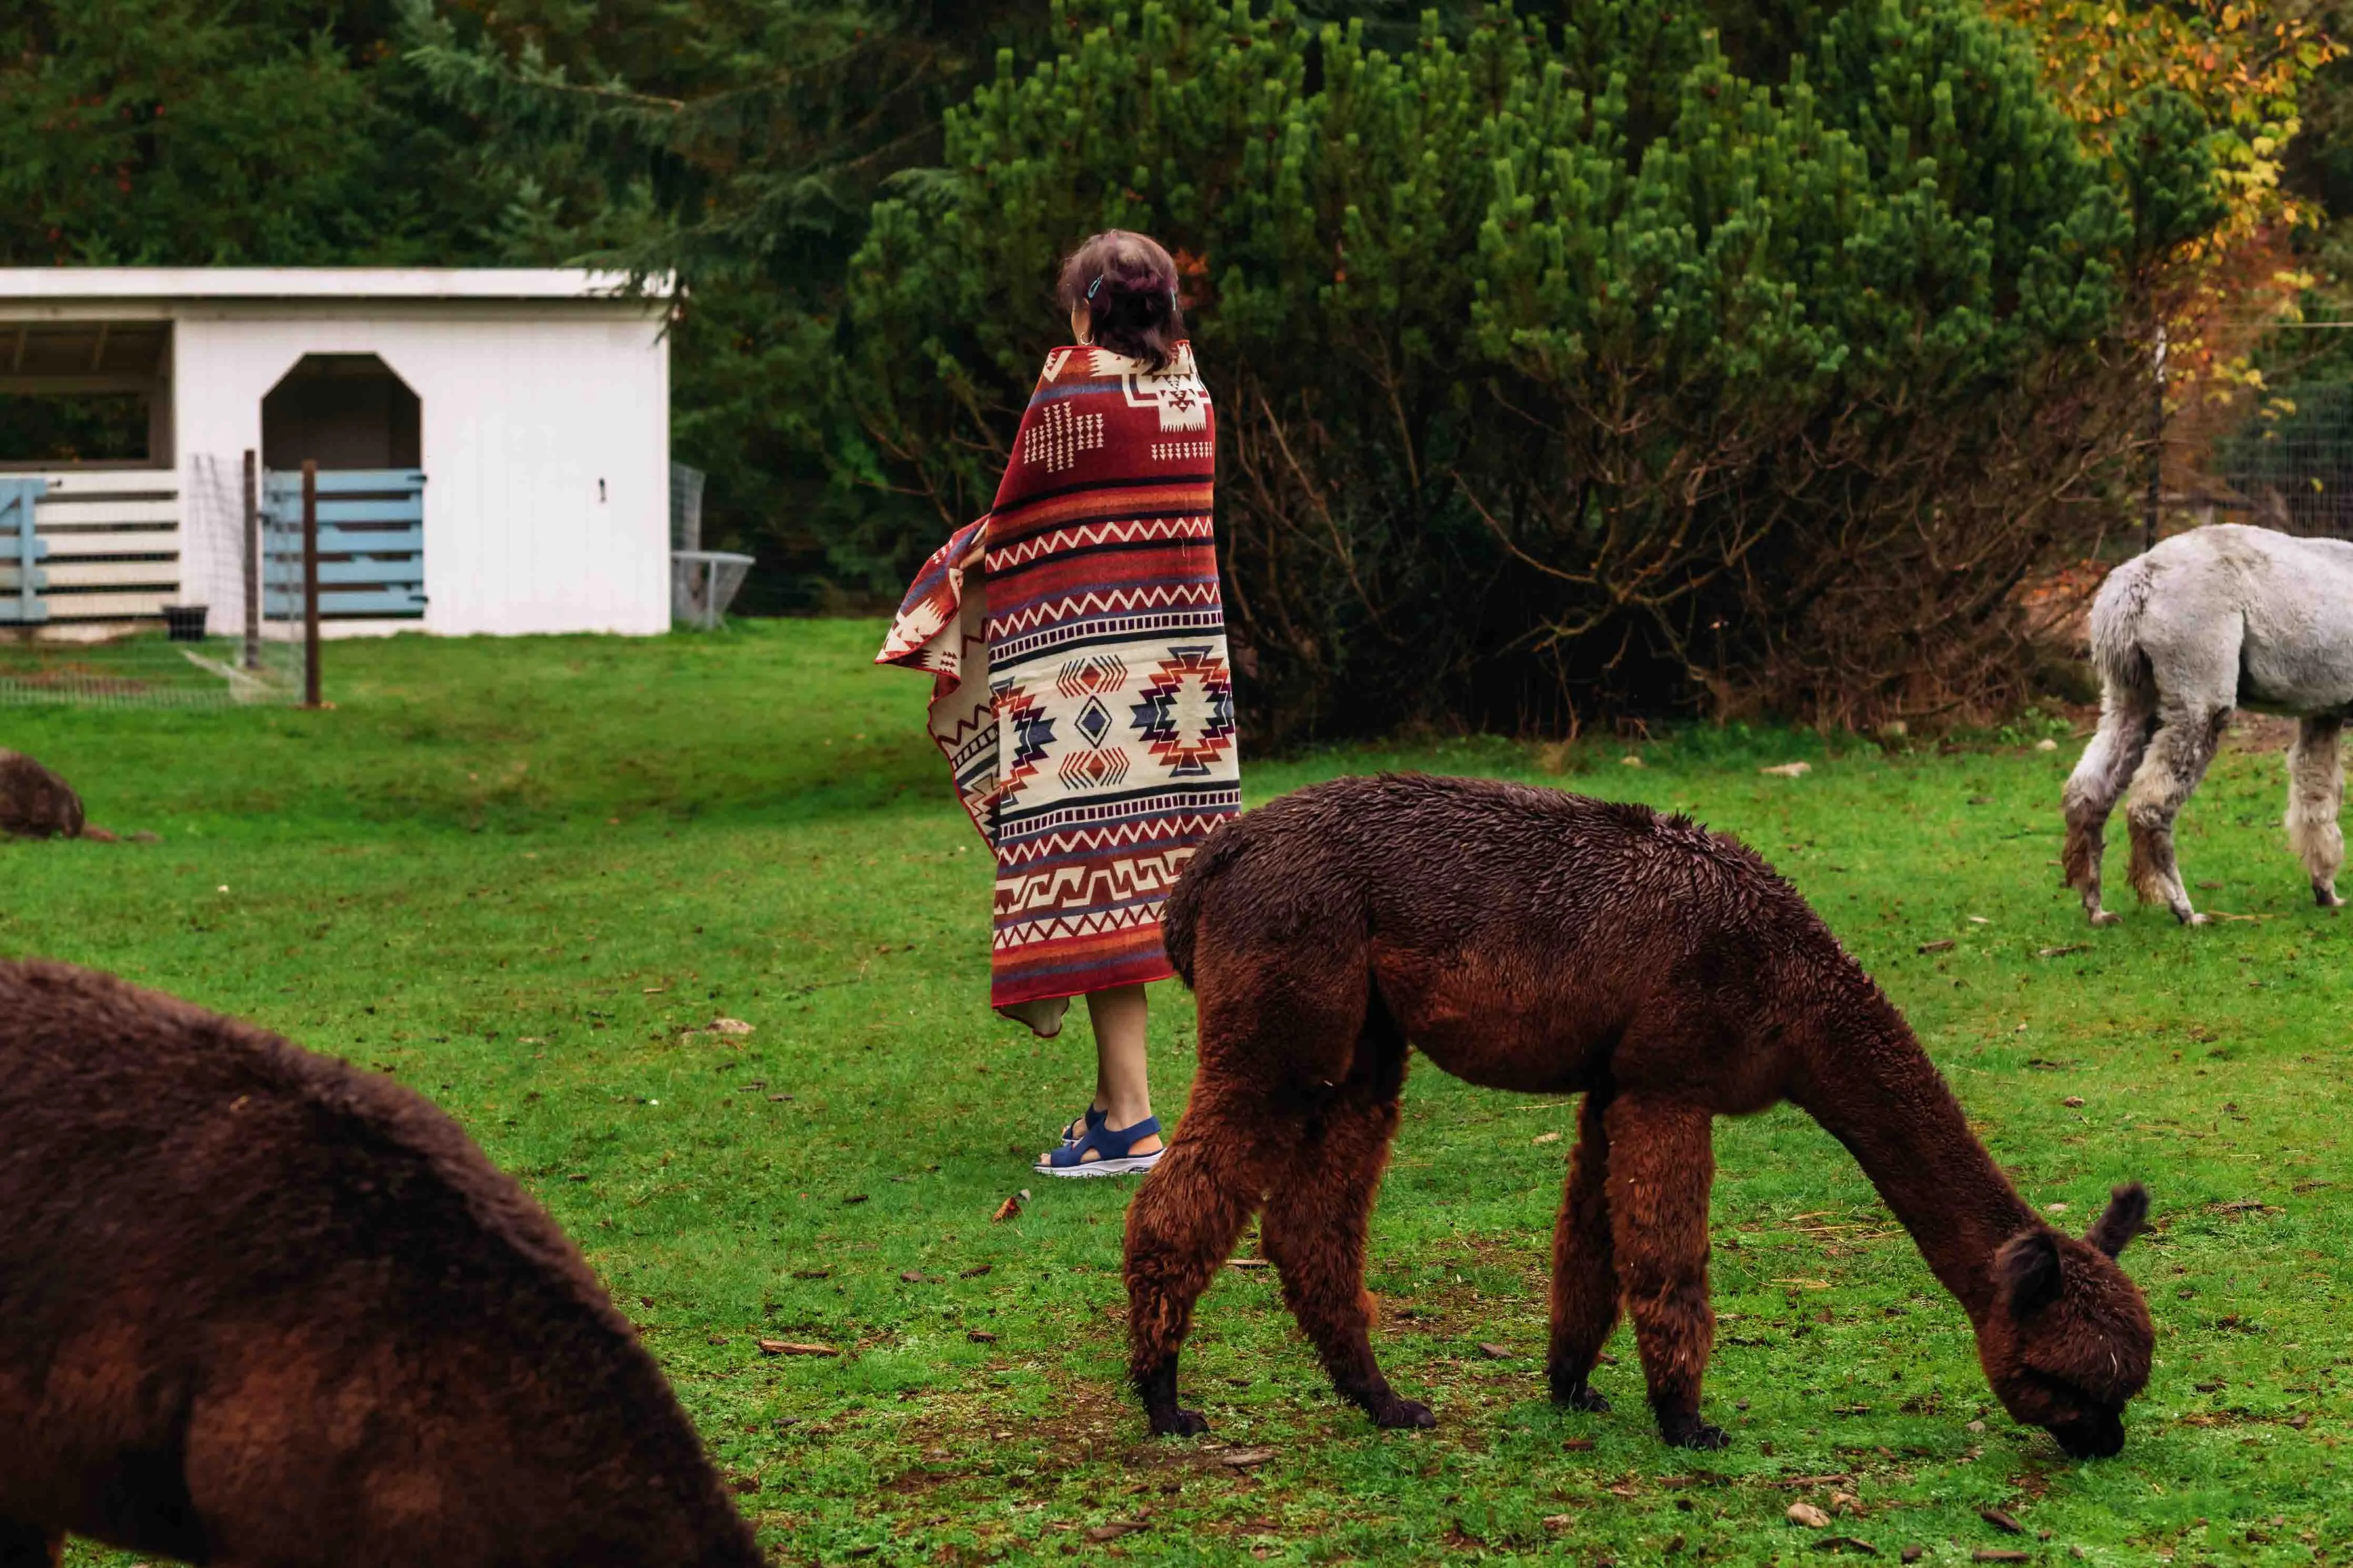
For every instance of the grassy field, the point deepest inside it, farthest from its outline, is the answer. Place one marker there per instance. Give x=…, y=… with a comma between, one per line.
x=522, y=875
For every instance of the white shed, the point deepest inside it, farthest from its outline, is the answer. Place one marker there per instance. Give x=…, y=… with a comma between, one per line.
x=502, y=435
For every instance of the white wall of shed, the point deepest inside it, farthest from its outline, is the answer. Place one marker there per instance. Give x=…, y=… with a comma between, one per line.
x=524, y=410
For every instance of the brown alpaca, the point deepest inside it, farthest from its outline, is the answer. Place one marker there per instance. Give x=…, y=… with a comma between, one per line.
x=1529, y=939
x=35, y=802
x=258, y=1309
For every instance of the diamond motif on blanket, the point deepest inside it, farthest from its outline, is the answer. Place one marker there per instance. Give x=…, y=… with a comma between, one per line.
x=1094, y=721
x=1186, y=715
x=1057, y=437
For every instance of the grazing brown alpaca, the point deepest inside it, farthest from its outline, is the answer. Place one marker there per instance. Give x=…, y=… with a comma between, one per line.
x=1530, y=939
x=258, y=1309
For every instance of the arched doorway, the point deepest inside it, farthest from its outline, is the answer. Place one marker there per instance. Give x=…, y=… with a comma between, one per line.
x=359, y=422
x=342, y=411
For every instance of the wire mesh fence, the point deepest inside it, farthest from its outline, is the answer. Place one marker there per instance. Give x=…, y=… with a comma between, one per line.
x=141, y=588
x=685, y=507
x=702, y=583
x=2286, y=463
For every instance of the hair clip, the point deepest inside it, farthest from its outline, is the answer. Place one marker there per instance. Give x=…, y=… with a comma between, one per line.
x=1093, y=285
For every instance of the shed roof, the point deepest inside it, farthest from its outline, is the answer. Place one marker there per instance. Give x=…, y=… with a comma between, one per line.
x=158, y=283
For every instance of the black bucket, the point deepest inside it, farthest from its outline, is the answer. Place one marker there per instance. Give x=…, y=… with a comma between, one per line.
x=186, y=623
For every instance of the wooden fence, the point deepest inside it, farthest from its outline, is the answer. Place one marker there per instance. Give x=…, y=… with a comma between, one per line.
x=102, y=546
x=371, y=544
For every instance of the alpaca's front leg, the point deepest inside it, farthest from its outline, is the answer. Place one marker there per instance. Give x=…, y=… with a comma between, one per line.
x=1661, y=1162
x=1315, y=1227
x=1584, y=1276
x=2316, y=795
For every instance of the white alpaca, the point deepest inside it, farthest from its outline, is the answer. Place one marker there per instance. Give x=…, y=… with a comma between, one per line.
x=2220, y=617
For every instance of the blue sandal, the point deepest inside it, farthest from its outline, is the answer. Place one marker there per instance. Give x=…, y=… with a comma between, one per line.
x=1079, y=1127
x=1112, y=1148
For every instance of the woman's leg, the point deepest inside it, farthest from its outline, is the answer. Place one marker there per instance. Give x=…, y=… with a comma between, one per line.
x=1123, y=1071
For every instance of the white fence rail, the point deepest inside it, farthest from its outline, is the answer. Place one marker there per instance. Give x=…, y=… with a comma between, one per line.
x=112, y=546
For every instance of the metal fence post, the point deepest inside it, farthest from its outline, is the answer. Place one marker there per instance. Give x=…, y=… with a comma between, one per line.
x=252, y=565
x=311, y=584
x=2155, y=446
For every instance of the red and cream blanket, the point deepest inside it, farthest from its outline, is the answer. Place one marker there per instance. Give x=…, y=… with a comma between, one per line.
x=1080, y=686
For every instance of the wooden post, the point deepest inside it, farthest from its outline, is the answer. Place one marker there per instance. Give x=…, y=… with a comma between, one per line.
x=252, y=566
x=311, y=583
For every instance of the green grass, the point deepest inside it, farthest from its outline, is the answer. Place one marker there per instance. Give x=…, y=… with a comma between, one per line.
x=519, y=875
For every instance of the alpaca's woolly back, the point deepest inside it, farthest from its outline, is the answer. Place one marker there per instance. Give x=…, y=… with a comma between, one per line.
x=265, y=1299
x=1453, y=863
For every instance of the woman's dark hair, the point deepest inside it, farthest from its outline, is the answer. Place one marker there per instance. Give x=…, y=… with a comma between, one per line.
x=1128, y=284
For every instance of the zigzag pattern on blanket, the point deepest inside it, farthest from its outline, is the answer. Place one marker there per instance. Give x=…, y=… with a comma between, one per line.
x=1063, y=541
x=1193, y=825
x=1095, y=607
x=1054, y=928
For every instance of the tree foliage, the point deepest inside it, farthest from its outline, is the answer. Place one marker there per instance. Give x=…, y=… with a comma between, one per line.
x=257, y=132
x=1743, y=353
x=2249, y=71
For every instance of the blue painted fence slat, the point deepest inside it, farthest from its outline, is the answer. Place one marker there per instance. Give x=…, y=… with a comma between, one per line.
x=23, y=548
x=383, y=603
x=286, y=484
x=398, y=569
x=354, y=542
x=405, y=510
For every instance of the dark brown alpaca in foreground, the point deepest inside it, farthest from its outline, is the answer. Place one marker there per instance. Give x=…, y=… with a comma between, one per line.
x=1530, y=939
x=258, y=1309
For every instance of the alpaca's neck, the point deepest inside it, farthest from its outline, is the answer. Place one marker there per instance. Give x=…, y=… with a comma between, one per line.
x=1875, y=1090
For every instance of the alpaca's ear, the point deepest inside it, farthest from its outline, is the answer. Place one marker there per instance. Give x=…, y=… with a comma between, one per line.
x=2028, y=1269
x=2126, y=1218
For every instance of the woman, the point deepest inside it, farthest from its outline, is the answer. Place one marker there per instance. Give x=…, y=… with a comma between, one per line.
x=1080, y=691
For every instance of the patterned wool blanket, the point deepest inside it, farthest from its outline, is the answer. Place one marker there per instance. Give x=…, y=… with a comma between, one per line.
x=1079, y=686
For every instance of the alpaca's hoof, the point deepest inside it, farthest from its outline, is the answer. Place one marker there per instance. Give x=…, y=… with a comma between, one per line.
x=1175, y=1422
x=2106, y=918
x=2327, y=898
x=1697, y=1435
x=1392, y=1412
x=2197, y=917
x=1581, y=1396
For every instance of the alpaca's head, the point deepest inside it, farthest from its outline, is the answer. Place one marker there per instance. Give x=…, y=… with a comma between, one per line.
x=2068, y=1340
